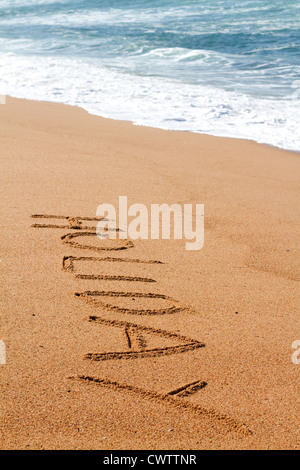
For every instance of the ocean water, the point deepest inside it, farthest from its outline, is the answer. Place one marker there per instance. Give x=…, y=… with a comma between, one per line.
x=223, y=67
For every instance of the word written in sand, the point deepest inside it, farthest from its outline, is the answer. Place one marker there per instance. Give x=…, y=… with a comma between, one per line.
x=140, y=342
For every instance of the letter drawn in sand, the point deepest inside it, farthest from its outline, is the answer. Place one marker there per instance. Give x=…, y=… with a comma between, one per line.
x=107, y=245
x=70, y=264
x=74, y=223
x=96, y=297
x=137, y=343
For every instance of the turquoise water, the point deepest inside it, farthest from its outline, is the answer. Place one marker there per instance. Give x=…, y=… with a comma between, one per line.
x=222, y=67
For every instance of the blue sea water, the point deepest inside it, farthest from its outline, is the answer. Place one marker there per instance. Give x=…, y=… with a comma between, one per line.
x=222, y=67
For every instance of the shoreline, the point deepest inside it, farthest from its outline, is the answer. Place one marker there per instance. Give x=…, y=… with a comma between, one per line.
x=212, y=331
x=152, y=127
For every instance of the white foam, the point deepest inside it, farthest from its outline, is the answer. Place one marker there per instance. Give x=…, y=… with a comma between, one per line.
x=153, y=101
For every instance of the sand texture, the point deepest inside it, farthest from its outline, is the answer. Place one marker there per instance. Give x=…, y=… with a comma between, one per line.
x=121, y=344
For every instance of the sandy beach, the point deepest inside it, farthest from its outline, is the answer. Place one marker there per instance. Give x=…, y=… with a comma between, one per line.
x=181, y=349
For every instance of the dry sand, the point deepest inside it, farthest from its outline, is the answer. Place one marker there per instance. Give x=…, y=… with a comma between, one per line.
x=229, y=331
